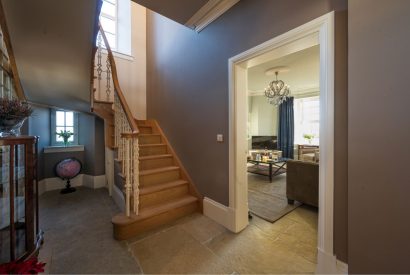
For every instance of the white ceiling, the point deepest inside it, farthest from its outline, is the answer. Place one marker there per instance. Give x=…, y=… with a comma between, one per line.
x=303, y=76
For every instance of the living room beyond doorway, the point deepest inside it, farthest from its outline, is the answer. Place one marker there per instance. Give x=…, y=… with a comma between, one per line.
x=283, y=142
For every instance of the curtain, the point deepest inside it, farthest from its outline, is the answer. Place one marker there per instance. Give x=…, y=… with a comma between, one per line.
x=286, y=133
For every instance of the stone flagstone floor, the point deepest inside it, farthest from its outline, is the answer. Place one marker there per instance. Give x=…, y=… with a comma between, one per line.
x=78, y=234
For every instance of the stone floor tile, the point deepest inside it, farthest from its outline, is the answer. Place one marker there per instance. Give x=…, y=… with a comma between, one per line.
x=78, y=234
x=174, y=251
x=252, y=251
x=202, y=228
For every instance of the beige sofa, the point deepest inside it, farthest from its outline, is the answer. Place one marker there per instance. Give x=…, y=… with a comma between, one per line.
x=302, y=182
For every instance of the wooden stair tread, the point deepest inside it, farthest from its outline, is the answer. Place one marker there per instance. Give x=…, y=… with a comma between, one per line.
x=154, y=210
x=103, y=102
x=161, y=186
x=152, y=145
x=150, y=135
x=158, y=170
x=155, y=157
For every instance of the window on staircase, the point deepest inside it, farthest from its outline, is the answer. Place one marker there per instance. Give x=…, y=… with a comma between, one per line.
x=62, y=120
x=115, y=19
x=108, y=19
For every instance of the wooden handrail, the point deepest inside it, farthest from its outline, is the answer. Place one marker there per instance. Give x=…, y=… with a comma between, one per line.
x=117, y=88
x=12, y=60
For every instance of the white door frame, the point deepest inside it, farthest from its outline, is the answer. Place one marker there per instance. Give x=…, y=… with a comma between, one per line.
x=323, y=28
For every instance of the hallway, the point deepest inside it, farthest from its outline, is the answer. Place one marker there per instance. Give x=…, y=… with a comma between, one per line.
x=78, y=239
x=78, y=234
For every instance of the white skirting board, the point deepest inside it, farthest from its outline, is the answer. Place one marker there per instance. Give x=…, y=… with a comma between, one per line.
x=221, y=214
x=93, y=182
x=328, y=264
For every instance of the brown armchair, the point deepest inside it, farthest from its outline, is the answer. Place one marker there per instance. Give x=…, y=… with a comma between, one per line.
x=302, y=182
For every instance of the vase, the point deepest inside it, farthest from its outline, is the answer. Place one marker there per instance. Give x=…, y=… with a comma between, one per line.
x=11, y=127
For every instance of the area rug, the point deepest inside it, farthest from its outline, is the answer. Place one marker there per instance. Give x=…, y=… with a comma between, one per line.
x=268, y=200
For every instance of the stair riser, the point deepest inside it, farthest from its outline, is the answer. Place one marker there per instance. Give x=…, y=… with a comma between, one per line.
x=127, y=231
x=149, y=139
x=118, y=181
x=162, y=196
x=145, y=130
x=156, y=163
x=143, y=123
x=147, y=180
x=154, y=150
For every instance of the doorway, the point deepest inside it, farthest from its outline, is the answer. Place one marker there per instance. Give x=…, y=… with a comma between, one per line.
x=317, y=32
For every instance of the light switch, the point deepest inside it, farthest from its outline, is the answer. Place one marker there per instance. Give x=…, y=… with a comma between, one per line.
x=220, y=138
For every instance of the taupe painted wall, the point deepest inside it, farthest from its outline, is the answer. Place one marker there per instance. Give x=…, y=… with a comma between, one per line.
x=379, y=135
x=187, y=87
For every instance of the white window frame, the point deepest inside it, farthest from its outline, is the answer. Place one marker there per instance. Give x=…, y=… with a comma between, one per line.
x=53, y=125
x=299, y=105
x=123, y=29
x=115, y=19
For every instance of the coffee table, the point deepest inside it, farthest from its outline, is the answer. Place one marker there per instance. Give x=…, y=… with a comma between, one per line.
x=268, y=168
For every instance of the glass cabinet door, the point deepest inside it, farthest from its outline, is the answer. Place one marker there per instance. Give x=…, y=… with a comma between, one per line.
x=12, y=187
x=19, y=200
x=4, y=205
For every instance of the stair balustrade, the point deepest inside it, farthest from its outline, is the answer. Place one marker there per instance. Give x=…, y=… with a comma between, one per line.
x=106, y=88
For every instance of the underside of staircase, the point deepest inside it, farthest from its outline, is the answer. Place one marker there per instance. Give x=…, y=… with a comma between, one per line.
x=166, y=192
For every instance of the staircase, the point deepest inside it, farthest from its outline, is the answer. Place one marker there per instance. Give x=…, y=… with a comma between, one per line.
x=166, y=192
x=155, y=186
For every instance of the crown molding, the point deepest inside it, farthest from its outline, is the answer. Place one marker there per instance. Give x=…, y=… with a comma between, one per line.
x=209, y=13
x=295, y=93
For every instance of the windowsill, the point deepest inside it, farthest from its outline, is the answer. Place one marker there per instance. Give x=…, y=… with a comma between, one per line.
x=120, y=55
x=63, y=149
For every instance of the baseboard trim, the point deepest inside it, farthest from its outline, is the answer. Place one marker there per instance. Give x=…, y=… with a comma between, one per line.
x=220, y=213
x=328, y=264
x=50, y=184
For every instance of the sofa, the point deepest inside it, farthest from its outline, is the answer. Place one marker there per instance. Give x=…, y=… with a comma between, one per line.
x=302, y=182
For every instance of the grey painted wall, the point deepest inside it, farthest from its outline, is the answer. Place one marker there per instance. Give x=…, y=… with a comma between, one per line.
x=379, y=134
x=39, y=125
x=91, y=135
x=263, y=117
x=187, y=87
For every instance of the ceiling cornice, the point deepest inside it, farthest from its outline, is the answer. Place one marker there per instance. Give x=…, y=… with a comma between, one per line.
x=209, y=13
x=296, y=93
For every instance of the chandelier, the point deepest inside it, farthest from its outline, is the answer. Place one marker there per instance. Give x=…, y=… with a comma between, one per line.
x=277, y=92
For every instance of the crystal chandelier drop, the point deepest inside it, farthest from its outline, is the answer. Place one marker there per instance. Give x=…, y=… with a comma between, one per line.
x=277, y=92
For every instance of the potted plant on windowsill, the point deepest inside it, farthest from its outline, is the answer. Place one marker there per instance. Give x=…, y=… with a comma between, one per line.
x=309, y=137
x=13, y=113
x=65, y=135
